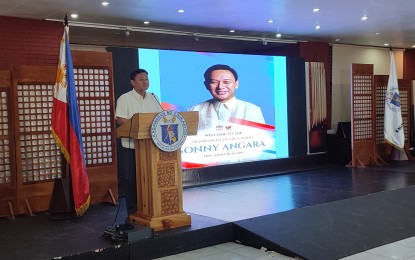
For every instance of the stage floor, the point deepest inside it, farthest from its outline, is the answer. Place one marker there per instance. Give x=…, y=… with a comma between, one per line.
x=233, y=211
x=263, y=196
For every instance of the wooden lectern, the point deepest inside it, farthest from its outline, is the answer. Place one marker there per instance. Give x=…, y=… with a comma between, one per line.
x=159, y=174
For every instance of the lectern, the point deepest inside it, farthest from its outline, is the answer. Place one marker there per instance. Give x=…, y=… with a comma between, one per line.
x=159, y=174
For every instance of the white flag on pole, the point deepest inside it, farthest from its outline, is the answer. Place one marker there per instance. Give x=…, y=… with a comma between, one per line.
x=393, y=127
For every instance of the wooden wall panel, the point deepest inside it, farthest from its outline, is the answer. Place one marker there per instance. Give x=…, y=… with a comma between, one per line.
x=38, y=161
x=94, y=76
x=405, y=86
x=363, y=115
x=8, y=186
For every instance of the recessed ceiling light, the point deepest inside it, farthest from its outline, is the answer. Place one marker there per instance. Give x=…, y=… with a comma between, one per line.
x=315, y=10
x=337, y=40
x=180, y=11
x=278, y=35
x=232, y=31
x=364, y=18
x=386, y=44
x=146, y=22
x=270, y=21
x=105, y=3
x=317, y=27
x=377, y=33
x=413, y=46
x=74, y=16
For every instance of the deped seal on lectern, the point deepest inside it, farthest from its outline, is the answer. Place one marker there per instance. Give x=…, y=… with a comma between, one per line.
x=169, y=130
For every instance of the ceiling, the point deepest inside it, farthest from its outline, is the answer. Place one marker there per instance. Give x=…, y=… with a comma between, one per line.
x=389, y=21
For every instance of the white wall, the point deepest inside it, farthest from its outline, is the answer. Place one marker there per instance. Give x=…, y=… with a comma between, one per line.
x=343, y=57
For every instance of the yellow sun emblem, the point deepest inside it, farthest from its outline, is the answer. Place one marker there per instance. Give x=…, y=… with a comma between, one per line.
x=60, y=77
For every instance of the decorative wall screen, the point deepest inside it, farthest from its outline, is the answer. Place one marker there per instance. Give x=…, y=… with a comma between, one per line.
x=7, y=160
x=368, y=108
x=363, y=119
x=5, y=152
x=95, y=108
x=381, y=83
x=38, y=159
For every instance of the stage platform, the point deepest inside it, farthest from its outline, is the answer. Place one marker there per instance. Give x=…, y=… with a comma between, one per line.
x=325, y=213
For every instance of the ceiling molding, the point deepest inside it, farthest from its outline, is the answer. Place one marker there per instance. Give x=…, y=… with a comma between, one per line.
x=128, y=29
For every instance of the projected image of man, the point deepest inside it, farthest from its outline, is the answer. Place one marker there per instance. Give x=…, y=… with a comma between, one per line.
x=222, y=82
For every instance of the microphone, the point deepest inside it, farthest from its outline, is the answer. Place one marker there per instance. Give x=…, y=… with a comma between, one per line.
x=154, y=96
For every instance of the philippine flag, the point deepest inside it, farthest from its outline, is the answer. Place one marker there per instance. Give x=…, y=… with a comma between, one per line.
x=66, y=127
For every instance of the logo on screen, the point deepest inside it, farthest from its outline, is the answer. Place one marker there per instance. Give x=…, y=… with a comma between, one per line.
x=168, y=130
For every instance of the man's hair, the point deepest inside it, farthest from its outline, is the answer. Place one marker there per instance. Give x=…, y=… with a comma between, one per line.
x=137, y=71
x=208, y=72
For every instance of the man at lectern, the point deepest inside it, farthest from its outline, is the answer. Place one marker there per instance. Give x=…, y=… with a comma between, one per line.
x=138, y=100
x=222, y=82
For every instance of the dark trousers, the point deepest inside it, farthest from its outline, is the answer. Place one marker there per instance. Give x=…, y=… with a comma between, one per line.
x=130, y=183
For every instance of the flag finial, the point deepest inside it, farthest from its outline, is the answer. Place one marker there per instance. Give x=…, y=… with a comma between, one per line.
x=65, y=20
x=390, y=47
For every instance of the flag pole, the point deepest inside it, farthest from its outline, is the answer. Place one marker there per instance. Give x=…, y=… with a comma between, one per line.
x=66, y=125
x=67, y=171
x=61, y=205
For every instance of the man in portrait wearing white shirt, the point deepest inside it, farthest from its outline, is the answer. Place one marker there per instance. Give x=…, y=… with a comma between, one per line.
x=222, y=82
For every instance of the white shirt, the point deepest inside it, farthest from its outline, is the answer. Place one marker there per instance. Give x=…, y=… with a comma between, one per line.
x=131, y=103
x=213, y=112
